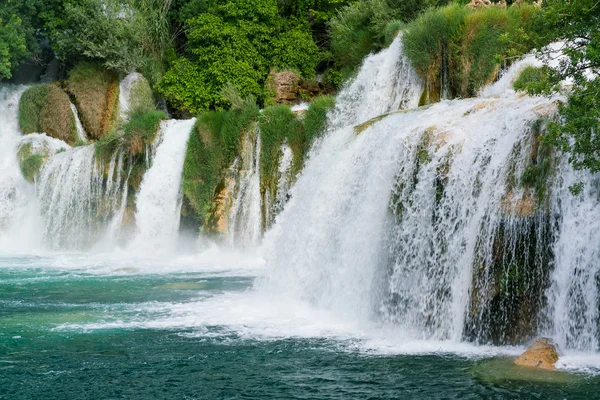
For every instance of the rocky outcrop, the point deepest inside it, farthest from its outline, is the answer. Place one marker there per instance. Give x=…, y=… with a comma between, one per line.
x=290, y=88
x=542, y=353
x=283, y=86
x=520, y=207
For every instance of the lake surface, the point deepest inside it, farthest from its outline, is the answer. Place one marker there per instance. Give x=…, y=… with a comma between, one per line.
x=197, y=327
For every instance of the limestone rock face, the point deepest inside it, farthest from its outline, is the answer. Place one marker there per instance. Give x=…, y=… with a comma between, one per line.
x=542, y=353
x=284, y=86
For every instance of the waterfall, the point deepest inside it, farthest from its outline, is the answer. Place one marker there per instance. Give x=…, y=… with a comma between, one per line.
x=80, y=131
x=244, y=228
x=16, y=194
x=160, y=197
x=78, y=197
x=326, y=242
x=573, y=296
x=283, y=178
x=420, y=219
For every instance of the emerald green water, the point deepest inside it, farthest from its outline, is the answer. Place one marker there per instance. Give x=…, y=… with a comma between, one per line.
x=78, y=329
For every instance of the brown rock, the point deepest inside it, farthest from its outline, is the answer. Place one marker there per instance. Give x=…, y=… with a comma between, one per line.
x=523, y=207
x=284, y=87
x=542, y=353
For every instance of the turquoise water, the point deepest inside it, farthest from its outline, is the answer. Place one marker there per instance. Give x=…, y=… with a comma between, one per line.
x=79, y=328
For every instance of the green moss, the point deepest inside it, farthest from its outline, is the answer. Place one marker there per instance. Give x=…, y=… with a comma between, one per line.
x=141, y=129
x=315, y=119
x=534, y=80
x=96, y=95
x=31, y=162
x=277, y=125
x=46, y=108
x=30, y=166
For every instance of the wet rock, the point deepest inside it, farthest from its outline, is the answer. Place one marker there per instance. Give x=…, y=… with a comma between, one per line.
x=520, y=207
x=542, y=353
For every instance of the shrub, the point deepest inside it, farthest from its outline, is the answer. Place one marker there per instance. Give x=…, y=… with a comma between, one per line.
x=468, y=46
x=96, y=94
x=234, y=42
x=277, y=124
x=46, y=108
x=534, y=80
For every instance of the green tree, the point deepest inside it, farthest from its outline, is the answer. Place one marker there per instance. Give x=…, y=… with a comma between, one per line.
x=13, y=48
x=576, y=24
x=234, y=42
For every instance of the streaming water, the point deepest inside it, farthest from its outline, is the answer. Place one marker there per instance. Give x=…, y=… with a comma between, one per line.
x=80, y=131
x=411, y=233
x=159, y=198
x=244, y=228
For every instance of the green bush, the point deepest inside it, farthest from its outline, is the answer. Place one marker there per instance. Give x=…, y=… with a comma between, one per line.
x=13, y=48
x=46, y=108
x=469, y=46
x=370, y=25
x=534, y=80
x=234, y=42
x=30, y=106
x=277, y=124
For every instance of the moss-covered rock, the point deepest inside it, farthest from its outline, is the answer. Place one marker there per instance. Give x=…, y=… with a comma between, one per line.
x=32, y=156
x=47, y=109
x=96, y=95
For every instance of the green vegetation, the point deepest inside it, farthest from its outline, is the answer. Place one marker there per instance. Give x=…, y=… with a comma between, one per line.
x=235, y=42
x=141, y=98
x=95, y=91
x=46, y=108
x=31, y=161
x=13, y=48
x=468, y=46
x=279, y=125
x=213, y=145
x=369, y=25
x=534, y=80
x=576, y=23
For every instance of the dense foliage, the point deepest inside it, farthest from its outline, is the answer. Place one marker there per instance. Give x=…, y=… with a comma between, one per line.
x=576, y=24
x=458, y=50
x=235, y=42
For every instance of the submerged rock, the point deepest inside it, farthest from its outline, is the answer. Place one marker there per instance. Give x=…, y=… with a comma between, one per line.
x=542, y=353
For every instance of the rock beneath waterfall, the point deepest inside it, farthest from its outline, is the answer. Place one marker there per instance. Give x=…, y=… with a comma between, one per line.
x=542, y=353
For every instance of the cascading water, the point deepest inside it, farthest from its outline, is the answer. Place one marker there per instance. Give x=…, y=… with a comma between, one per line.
x=244, y=227
x=159, y=198
x=76, y=202
x=326, y=242
x=445, y=222
x=15, y=193
x=80, y=131
x=573, y=296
